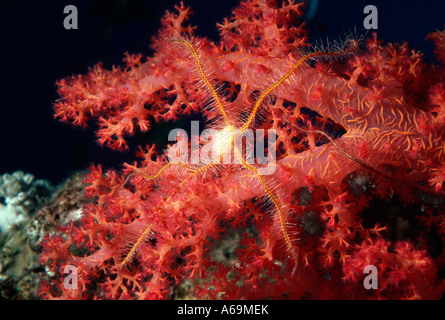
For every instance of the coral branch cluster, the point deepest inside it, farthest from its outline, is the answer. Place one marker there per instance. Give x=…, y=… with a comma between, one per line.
x=360, y=170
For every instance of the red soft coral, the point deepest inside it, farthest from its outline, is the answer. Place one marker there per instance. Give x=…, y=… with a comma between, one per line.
x=403, y=271
x=349, y=136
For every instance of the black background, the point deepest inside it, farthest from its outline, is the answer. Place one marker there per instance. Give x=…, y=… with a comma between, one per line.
x=36, y=50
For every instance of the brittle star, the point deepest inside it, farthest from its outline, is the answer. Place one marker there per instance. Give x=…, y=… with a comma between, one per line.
x=228, y=134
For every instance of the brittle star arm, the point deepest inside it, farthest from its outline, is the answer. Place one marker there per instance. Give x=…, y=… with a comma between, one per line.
x=135, y=247
x=157, y=174
x=204, y=78
x=288, y=73
x=362, y=163
x=129, y=256
x=293, y=249
x=201, y=72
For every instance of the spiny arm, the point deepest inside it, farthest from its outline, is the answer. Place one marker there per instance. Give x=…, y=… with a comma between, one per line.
x=288, y=73
x=364, y=164
x=204, y=78
x=157, y=174
x=293, y=249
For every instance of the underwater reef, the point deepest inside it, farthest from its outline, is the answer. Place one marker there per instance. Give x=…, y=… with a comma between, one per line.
x=349, y=188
